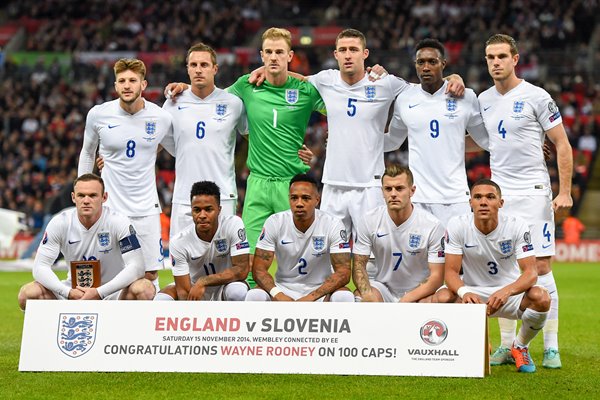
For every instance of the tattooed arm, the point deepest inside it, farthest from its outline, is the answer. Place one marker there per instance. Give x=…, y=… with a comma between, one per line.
x=339, y=278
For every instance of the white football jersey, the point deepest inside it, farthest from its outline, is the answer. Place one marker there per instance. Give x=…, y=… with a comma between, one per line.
x=203, y=141
x=517, y=122
x=402, y=253
x=436, y=125
x=356, y=118
x=303, y=259
x=65, y=234
x=192, y=255
x=489, y=260
x=128, y=145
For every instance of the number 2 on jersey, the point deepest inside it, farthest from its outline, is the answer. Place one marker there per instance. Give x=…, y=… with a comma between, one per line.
x=302, y=264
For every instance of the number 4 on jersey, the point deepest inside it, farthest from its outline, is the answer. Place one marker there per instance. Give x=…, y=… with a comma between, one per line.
x=501, y=129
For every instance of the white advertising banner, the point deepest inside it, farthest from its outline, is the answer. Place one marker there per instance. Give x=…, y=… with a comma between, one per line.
x=306, y=338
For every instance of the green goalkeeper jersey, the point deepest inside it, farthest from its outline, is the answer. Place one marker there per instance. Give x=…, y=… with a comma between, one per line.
x=277, y=120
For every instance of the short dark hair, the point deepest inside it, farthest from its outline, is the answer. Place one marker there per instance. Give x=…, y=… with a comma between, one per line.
x=89, y=178
x=433, y=44
x=352, y=33
x=394, y=170
x=206, y=188
x=500, y=38
x=490, y=182
x=304, y=178
x=202, y=47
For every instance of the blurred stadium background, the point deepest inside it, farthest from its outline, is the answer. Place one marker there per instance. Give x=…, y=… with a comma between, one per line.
x=56, y=60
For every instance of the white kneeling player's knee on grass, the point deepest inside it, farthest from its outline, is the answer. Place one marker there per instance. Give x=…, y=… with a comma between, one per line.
x=342, y=296
x=235, y=291
x=257, y=295
x=163, y=297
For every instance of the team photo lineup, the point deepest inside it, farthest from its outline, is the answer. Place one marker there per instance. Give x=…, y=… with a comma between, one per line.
x=365, y=230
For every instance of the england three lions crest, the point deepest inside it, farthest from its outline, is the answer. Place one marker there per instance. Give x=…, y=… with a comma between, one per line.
x=370, y=92
x=221, y=109
x=414, y=240
x=221, y=245
x=150, y=128
x=318, y=243
x=104, y=239
x=518, y=106
x=76, y=333
x=451, y=105
x=506, y=246
x=291, y=96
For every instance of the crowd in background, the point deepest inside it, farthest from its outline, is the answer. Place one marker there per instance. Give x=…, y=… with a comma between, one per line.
x=43, y=106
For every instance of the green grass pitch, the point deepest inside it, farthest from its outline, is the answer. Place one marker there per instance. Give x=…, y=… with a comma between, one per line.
x=579, y=378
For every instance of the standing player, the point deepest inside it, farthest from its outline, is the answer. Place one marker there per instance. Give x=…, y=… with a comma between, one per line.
x=492, y=250
x=406, y=241
x=278, y=114
x=435, y=123
x=210, y=257
x=518, y=117
x=205, y=121
x=127, y=132
x=308, y=243
x=90, y=231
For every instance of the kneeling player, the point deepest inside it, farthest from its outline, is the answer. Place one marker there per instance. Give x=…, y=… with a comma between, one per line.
x=89, y=232
x=307, y=243
x=210, y=257
x=492, y=251
x=407, y=243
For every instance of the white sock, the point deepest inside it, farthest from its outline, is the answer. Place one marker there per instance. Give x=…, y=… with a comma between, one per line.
x=342, y=296
x=551, y=334
x=235, y=291
x=163, y=297
x=533, y=322
x=257, y=294
x=507, y=331
x=551, y=328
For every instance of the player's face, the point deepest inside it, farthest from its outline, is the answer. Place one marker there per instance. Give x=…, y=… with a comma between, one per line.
x=485, y=202
x=350, y=55
x=304, y=198
x=429, y=65
x=397, y=192
x=276, y=55
x=129, y=86
x=88, y=199
x=501, y=64
x=205, y=213
x=201, y=69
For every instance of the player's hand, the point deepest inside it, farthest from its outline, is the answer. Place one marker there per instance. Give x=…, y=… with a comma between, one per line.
x=282, y=297
x=173, y=89
x=306, y=155
x=100, y=163
x=75, y=294
x=196, y=292
x=257, y=77
x=89, y=293
x=456, y=86
x=562, y=202
x=376, y=72
x=497, y=300
x=471, y=298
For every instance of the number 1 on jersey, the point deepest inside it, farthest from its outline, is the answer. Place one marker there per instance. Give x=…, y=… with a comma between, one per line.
x=274, y=118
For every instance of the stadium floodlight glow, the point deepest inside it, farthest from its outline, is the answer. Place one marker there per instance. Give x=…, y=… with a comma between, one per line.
x=306, y=40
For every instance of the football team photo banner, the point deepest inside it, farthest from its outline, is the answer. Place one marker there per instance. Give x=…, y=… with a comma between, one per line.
x=271, y=337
